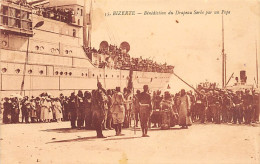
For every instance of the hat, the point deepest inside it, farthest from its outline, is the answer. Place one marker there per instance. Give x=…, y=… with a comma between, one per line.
x=145, y=87
x=118, y=89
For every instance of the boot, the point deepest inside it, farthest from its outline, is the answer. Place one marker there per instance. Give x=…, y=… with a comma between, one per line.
x=116, y=128
x=119, y=129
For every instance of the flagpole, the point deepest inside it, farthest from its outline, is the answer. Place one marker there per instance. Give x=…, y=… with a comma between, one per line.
x=256, y=65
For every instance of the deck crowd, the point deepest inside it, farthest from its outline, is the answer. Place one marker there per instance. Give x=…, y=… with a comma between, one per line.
x=118, y=58
x=204, y=107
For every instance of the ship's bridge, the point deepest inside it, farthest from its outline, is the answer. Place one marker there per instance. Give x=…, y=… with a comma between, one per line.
x=16, y=18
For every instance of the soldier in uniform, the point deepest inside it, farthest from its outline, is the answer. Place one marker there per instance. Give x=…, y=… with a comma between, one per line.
x=98, y=109
x=72, y=110
x=217, y=110
x=145, y=110
x=80, y=109
x=237, y=112
x=201, y=105
x=136, y=107
x=118, y=110
x=15, y=110
x=7, y=111
x=87, y=108
x=248, y=101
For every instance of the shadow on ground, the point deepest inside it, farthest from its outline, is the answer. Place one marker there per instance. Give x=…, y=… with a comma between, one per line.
x=74, y=140
x=65, y=130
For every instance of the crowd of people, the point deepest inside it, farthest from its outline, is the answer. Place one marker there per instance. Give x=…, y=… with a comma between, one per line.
x=217, y=106
x=112, y=109
x=118, y=58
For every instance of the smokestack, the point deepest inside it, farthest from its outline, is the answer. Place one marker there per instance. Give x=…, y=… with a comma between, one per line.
x=243, y=77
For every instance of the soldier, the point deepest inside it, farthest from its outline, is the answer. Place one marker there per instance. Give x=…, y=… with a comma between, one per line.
x=201, y=105
x=72, y=110
x=226, y=108
x=118, y=110
x=136, y=107
x=248, y=101
x=7, y=111
x=98, y=108
x=109, y=115
x=237, y=112
x=87, y=108
x=155, y=118
x=15, y=111
x=80, y=109
x=145, y=110
x=33, y=112
x=217, y=109
x=38, y=109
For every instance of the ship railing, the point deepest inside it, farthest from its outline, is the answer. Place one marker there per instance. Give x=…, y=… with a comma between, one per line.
x=59, y=15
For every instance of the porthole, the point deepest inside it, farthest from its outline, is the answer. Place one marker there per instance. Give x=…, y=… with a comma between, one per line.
x=106, y=75
x=4, y=43
x=17, y=71
x=66, y=73
x=4, y=70
x=86, y=74
x=37, y=48
x=93, y=75
x=30, y=71
x=70, y=73
x=41, y=72
x=41, y=48
x=61, y=73
x=56, y=73
x=82, y=74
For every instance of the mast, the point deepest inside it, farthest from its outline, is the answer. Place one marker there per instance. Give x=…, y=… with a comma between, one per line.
x=223, y=57
x=89, y=25
x=85, y=43
x=256, y=64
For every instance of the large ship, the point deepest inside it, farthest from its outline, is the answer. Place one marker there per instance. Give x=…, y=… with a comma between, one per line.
x=45, y=47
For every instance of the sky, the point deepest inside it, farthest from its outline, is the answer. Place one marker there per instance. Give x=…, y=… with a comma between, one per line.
x=192, y=43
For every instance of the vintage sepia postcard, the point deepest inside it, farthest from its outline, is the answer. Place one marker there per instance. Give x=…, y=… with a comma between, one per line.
x=129, y=81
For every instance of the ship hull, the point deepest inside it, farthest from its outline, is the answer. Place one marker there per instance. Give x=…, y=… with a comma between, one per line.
x=55, y=84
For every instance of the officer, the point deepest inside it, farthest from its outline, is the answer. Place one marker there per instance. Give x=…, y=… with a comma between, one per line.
x=99, y=106
x=145, y=110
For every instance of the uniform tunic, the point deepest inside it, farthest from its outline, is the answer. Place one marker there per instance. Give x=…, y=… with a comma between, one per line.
x=118, y=109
